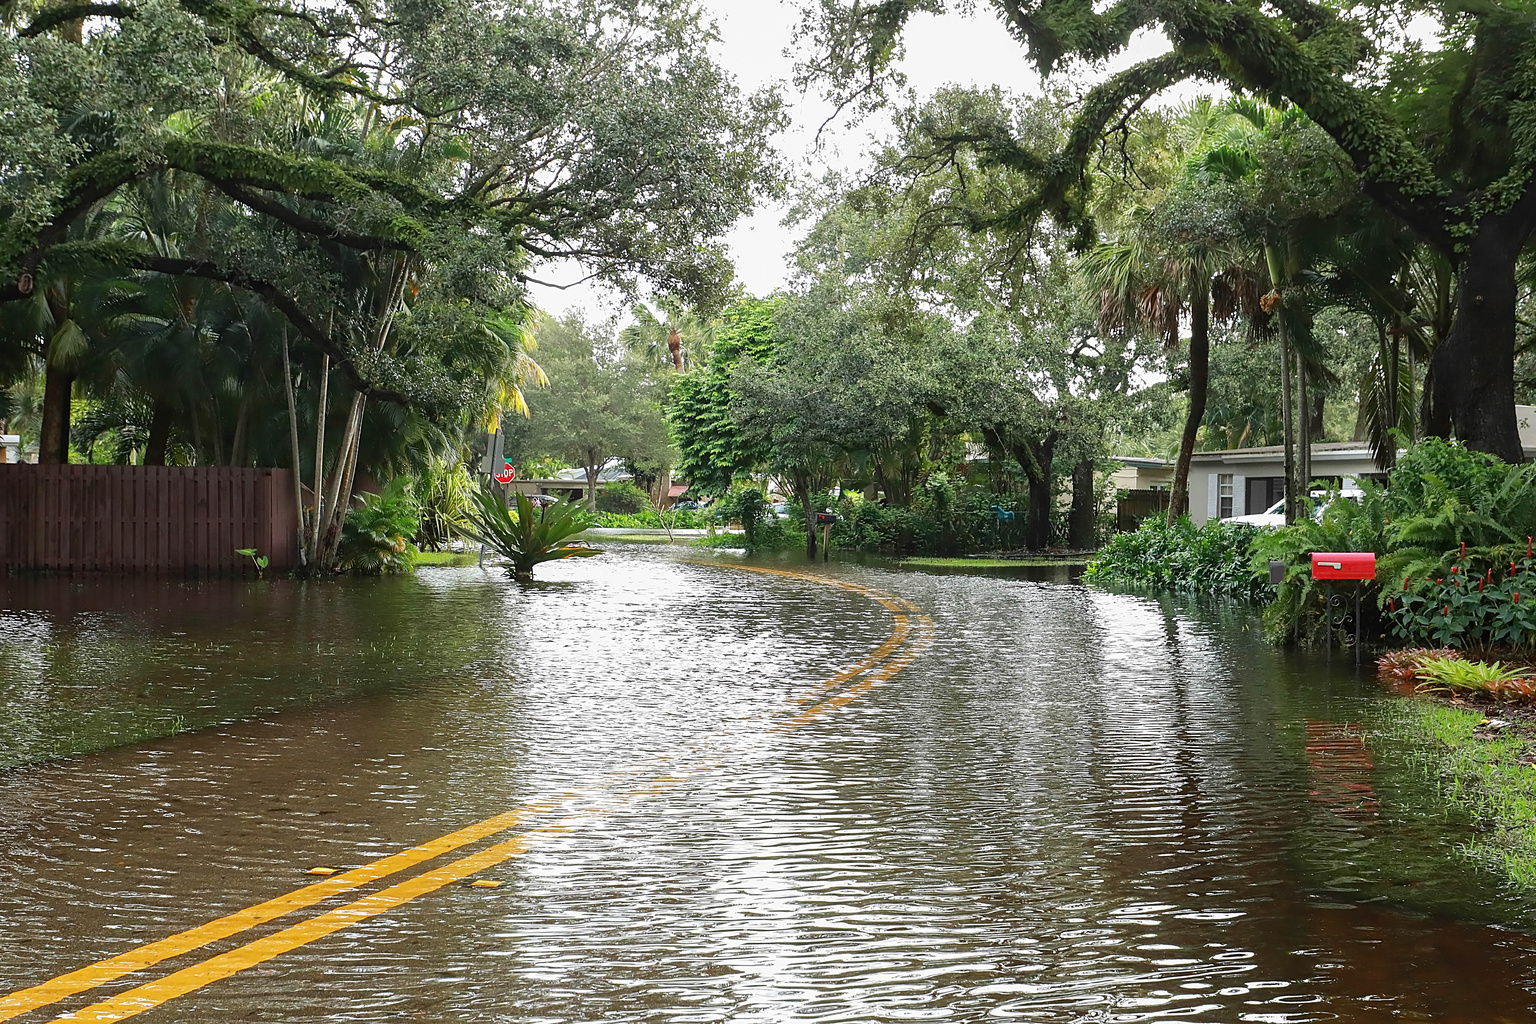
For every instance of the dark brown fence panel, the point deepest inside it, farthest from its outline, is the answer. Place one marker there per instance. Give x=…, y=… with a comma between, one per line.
x=1134, y=506
x=147, y=519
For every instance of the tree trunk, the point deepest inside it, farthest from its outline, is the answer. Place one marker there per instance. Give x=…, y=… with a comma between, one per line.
x=592, y=472
x=1035, y=459
x=1474, y=367
x=53, y=443
x=803, y=485
x=1287, y=422
x=1199, y=386
x=340, y=495
x=1082, y=522
x=1303, y=429
x=159, y=433
x=293, y=442
x=313, y=547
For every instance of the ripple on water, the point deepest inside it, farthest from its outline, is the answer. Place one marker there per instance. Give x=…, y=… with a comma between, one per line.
x=1074, y=807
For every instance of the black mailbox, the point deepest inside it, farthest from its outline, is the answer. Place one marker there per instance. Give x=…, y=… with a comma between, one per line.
x=825, y=518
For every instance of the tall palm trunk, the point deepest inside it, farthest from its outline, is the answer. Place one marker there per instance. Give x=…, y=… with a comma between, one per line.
x=159, y=433
x=1287, y=423
x=1199, y=387
x=53, y=441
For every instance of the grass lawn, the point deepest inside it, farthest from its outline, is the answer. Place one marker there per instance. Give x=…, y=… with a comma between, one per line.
x=1490, y=774
x=447, y=558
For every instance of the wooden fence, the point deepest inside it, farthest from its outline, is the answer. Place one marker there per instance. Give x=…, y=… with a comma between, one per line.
x=145, y=519
x=1134, y=506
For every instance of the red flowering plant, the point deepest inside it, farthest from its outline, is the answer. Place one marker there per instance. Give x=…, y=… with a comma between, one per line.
x=1475, y=604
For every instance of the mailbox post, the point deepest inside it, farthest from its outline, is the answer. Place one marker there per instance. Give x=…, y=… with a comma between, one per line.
x=1353, y=566
x=825, y=521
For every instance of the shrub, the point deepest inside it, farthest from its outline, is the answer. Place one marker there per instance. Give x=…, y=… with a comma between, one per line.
x=648, y=519
x=1447, y=525
x=527, y=537
x=1466, y=607
x=1214, y=559
x=444, y=493
x=1456, y=675
x=376, y=535
x=1299, y=609
x=622, y=497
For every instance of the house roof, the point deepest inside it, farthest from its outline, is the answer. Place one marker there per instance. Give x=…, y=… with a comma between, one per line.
x=1143, y=461
x=1320, y=449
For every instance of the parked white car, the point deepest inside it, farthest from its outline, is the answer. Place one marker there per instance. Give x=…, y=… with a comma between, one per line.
x=1274, y=516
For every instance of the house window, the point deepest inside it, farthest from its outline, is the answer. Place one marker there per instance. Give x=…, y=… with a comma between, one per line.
x=1224, y=495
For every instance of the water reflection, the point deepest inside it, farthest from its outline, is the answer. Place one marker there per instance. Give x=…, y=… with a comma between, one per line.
x=1076, y=806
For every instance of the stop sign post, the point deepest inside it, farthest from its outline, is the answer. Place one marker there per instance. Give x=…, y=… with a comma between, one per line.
x=506, y=474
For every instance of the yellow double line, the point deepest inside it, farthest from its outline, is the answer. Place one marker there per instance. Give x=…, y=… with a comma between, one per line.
x=878, y=666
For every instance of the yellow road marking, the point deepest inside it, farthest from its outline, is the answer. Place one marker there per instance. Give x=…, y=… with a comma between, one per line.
x=154, y=993
x=189, y=979
x=241, y=920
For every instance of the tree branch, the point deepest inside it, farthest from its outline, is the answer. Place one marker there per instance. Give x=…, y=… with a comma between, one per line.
x=55, y=16
x=308, y=225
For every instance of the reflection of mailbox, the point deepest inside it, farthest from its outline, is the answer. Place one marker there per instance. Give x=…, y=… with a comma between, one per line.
x=825, y=518
x=1343, y=565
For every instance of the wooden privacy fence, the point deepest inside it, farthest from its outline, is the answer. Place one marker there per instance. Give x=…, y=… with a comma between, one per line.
x=145, y=519
x=1134, y=506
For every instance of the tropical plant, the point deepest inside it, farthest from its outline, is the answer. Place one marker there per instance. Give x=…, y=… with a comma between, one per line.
x=1457, y=675
x=376, y=534
x=1179, y=557
x=445, y=492
x=527, y=537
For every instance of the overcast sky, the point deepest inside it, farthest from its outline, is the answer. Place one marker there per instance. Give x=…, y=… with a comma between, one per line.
x=953, y=48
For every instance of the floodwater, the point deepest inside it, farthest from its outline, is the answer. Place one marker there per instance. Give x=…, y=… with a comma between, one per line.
x=734, y=796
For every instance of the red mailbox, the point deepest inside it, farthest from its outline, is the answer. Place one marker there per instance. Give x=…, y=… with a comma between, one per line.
x=1343, y=565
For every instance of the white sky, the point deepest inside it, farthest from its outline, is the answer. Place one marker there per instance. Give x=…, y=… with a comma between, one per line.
x=952, y=48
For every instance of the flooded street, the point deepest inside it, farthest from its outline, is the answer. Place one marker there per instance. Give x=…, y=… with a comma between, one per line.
x=713, y=789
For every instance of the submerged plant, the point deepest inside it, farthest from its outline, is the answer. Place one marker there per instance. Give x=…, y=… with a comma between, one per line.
x=1460, y=676
x=376, y=535
x=527, y=536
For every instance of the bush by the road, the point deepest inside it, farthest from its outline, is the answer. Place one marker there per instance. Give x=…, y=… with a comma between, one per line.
x=1214, y=560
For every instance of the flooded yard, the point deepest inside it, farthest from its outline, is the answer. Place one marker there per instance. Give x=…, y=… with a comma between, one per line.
x=703, y=788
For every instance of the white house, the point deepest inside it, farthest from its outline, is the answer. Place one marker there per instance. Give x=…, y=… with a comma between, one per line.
x=10, y=447
x=1242, y=481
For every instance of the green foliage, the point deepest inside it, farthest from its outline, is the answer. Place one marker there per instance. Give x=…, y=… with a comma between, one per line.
x=1467, y=608
x=649, y=519
x=1485, y=773
x=445, y=493
x=601, y=401
x=1345, y=525
x=1450, y=532
x=376, y=534
x=712, y=451
x=528, y=536
x=258, y=560
x=1212, y=560
x=1457, y=675
x=623, y=497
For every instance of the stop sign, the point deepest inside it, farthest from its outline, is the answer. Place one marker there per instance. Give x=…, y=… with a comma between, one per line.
x=507, y=474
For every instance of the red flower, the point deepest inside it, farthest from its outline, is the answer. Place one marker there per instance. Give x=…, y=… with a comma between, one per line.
x=1453, y=570
x=1447, y=610
x=1463, y=549
x=1440, y=580
x=1392, y=605
x=1480, y=585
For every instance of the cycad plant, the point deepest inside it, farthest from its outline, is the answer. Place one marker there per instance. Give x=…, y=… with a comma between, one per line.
x=527, y=536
